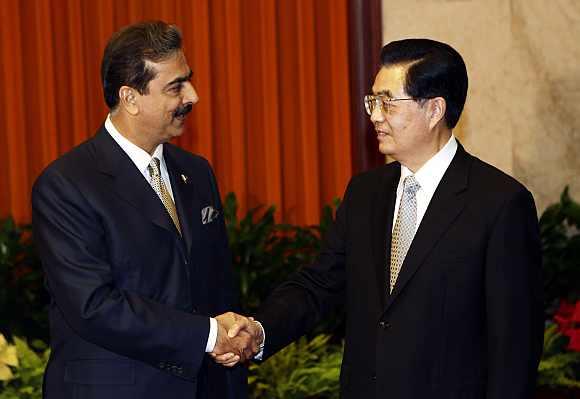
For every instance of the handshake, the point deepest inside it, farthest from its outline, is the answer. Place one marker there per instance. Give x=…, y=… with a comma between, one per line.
x=238, y=339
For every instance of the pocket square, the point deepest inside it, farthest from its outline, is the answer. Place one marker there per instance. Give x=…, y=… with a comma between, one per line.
x=209, y=214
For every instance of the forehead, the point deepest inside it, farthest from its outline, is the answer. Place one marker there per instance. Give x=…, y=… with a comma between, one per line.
x=174, y=67
x=390, y=80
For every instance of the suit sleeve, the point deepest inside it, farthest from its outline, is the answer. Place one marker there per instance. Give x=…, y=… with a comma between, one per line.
x=296, y=306
x=514, y=306
x=73, y=247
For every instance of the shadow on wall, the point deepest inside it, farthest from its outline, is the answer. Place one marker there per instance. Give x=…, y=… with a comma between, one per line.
x=461, y=131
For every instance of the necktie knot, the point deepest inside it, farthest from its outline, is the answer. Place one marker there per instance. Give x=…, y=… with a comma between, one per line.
x=411, y=185
x=154, y=167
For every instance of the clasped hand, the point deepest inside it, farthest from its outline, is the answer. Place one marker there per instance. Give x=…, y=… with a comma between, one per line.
x=238, y=339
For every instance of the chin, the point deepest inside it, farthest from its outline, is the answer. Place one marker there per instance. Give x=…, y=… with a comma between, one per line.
x=385, y=148
x=175, y=131
x=179, y=131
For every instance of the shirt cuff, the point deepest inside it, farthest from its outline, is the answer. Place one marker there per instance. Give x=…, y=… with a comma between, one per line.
x=212, y=338
x=260, y=354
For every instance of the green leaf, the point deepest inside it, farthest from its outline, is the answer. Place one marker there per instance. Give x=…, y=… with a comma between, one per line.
x=304, y=369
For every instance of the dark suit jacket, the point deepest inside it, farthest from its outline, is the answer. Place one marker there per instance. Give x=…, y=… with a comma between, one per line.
x=130, y=296
x=465, y=317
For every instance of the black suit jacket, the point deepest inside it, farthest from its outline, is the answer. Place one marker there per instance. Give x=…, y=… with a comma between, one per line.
x=130, y=296
x=465, y=317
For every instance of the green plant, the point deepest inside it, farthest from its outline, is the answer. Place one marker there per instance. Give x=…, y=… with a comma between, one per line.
x=24, y=380
x=558, y=368
x=23, y=299
x=266, y=253
x=560, y=237
x=8, y=357
x=304, y=369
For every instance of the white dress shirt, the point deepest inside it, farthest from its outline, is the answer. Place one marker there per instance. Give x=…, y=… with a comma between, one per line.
x=142, y=159
x=428, y=177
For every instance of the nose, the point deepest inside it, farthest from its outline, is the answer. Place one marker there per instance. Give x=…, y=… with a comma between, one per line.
x=189, y=94
x=377, y=115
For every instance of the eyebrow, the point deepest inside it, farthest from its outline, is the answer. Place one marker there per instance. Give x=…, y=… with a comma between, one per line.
x=179, y=79
x=384, y=93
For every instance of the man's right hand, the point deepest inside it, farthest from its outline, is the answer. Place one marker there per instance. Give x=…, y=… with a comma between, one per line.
x=238, y=339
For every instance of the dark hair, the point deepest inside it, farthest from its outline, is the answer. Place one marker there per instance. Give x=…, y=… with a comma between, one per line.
x=124, y=60
x=435, y=70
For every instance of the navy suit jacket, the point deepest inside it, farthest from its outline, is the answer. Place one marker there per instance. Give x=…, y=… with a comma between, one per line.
x=465, y=318
x=130, y=296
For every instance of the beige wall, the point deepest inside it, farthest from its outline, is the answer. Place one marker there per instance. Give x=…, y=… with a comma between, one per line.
x=523, y=58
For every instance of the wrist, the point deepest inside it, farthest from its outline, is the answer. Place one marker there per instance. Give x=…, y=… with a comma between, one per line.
x=261, y=334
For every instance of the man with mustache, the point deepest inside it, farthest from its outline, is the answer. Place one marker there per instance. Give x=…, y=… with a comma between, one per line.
x=131, y=234
x=435, y=258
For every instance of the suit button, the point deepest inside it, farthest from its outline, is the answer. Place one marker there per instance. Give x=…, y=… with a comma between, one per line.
x=384, y=324
x=373, y=377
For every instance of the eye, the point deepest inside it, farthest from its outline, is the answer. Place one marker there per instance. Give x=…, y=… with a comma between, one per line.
x=386, y=102
x=176, y=88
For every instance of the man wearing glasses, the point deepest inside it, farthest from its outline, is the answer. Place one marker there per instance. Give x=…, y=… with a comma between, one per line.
x=435, y=257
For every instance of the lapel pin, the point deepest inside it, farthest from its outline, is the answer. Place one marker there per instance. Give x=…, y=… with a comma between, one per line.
x=184, y=178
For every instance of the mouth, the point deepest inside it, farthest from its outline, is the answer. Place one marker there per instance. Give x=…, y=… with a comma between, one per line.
x=381, y=133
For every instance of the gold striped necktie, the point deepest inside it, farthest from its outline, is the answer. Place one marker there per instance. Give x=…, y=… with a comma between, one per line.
x=161, y=190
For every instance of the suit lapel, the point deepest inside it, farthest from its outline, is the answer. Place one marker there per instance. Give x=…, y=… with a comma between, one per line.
x=182, y=184
x=447, y=203
x=128, y=182
x=382, y=222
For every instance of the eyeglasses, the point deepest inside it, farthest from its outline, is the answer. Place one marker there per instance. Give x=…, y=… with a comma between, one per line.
x=372, y=102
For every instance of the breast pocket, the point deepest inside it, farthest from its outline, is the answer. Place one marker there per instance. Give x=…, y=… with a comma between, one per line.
x=211, y=223
x=461, y=264
x=209, y=214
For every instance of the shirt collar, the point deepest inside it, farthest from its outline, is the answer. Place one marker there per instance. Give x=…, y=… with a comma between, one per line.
x=431, y=173
x=139, y=156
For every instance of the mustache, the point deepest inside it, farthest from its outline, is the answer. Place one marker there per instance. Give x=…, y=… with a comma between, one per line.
x=182, y=110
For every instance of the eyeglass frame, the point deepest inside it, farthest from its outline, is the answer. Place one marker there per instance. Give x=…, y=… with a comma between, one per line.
x=385, y=101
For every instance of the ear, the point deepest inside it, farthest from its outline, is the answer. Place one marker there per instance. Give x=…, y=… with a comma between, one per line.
x=128, y=100
x=437, y=109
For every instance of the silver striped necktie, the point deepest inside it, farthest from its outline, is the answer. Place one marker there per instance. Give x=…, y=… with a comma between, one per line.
x=404, y=230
